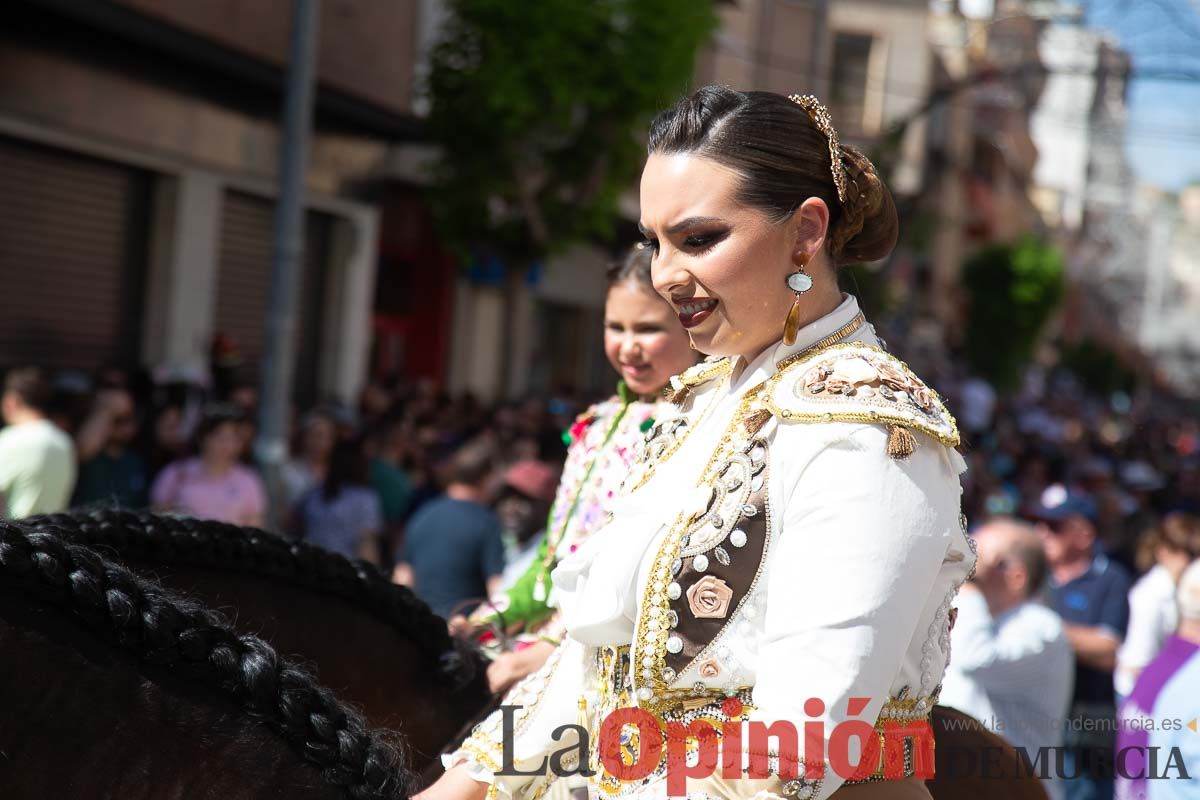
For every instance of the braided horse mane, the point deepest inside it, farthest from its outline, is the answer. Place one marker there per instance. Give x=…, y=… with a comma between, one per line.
x=168, y=539
x=160, y=629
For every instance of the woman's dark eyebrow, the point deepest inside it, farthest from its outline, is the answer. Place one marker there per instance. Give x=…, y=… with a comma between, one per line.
x=683, y=224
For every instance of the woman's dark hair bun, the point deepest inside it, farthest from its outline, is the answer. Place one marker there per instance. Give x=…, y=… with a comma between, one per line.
x=869, y=226
x=783, y=158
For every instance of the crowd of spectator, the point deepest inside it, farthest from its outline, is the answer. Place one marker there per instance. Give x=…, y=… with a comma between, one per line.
x=1084, y=505
x=408, y=457
x=1085, y=508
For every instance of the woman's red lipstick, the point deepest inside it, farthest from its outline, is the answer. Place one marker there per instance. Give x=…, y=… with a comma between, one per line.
x=693, y=312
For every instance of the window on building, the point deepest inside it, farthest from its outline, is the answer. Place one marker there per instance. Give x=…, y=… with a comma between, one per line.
x=559, y=358
x=851, y=76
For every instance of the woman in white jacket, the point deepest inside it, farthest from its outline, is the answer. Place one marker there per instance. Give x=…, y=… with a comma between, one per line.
x=790, y=542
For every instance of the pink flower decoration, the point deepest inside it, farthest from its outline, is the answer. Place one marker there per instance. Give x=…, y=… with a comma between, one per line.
x=922, y=396
x=836, y=385
x=892, y=376
x=709, y=598
x=580, y=427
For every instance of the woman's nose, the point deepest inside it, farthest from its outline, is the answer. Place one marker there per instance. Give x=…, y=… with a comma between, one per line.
x=667, y=277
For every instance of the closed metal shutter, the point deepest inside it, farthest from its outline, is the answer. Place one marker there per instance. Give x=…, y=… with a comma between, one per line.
x=73, y=236
x=243, y=285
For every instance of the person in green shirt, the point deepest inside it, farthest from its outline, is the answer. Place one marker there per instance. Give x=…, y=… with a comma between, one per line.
x=390, y=480
x=37, y=460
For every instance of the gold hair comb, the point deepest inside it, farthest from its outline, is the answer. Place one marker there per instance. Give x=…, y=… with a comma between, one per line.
x=820, y=117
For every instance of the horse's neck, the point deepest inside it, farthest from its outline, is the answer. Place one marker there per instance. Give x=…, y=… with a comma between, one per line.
x=84, y=721
x=372, y=664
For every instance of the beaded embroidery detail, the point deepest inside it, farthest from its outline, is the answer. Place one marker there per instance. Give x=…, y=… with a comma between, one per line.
x=485, y=745
x=728, y=503
x=857, y=382
x=705, y=371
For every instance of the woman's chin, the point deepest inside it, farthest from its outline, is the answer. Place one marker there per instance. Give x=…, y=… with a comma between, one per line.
x=713, y=345
x=644, y=386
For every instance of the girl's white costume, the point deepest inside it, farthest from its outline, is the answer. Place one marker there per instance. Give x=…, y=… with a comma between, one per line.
x=794, y=533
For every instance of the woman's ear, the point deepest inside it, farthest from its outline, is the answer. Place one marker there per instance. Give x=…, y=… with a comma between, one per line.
x=811, y=222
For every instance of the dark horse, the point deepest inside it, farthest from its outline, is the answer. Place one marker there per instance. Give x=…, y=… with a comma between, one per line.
x=974, y=763
x=113, y=687
x=374, y=643
x=385, y=650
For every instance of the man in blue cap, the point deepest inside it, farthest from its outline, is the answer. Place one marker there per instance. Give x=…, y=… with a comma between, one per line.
x=1091, y=594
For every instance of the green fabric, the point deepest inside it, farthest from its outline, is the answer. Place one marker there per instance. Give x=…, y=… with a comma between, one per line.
x=523, y=604
x=626, y=394
x=37, y=469
x=394, y=490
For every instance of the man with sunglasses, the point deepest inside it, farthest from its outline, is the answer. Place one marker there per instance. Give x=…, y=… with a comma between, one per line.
x=1091, y=594
x=111, y=472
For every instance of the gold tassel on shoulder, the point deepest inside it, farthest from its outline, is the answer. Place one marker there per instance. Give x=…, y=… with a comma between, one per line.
x=901, y=443
x=756, y=420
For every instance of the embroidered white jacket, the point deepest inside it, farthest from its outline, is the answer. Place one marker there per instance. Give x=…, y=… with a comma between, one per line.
x=863, y=555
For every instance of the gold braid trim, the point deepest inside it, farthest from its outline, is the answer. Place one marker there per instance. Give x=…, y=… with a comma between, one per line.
x=823, y=344
x=682, y=384
x=483, y=751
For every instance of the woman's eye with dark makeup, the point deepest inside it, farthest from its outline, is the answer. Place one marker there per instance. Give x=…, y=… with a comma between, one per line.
x=702, y=241
x=649, y=244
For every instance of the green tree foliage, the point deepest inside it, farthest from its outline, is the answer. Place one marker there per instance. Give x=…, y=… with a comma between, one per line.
x=1097, y=366
x=1013, y=290
x=541, y=108
x=870, y=286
